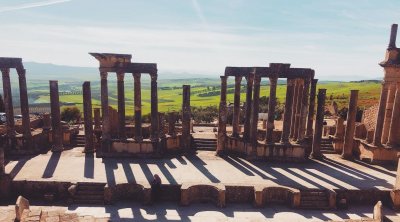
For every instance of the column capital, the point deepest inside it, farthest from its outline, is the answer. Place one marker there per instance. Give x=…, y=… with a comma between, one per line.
x=120, y=76
x=5, y=71
x=103, y=75
x=224, y=78
x=238, y=79
x=273, y=80
x=153, y=76
x=136, y=75
x=291, y=82
x=21, y=72
x=249, y=77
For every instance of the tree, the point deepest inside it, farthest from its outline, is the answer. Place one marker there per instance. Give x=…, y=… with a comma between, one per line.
x=71, y=114
x=2, y=106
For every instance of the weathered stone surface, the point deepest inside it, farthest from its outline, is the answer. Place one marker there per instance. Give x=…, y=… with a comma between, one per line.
x=57, y=132
x=316, y=143
x=222, y=117
x=186, y=116
x=350, y=126
x=287, y=116
x=378, y=215
x=88, y=119
x=154, y=108
x=138, y=107
x=202, y=193
x=21, y=205
x=236, y=107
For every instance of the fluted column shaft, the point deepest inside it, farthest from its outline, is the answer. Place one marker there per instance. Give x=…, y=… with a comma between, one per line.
x=350, y=127
x=121, y=105
x=249, y=94
x=88, y=118
x=319, y=124
x=394, y=131
x=57, y=134
x=105, y=112
x=273, y=82
x=236, y=107
x=138, y=107
x=298, y=109
x=154, y=108
x=311, y=108
x=10, y=125
x=222, y=117
x=254, y=115
x=388, y=112
x=304, y=110
x=186, y=115
x=294, y=107
x=380, y=119
x=287, y=116
x=23, y=95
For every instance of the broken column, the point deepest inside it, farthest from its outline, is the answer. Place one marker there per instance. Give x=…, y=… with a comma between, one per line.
x=254, y=115
x=57, y=134
x=273, y=82
x=87, y=112
x=10, y=125
x=394, y=131
x=138, y=107
x=311, y=108
x=106, y=123
x=236, y=108
x=350, y=127
x=154, y=108
x=97, y=125
x=319, y=124
x=388, y=112
x=186, y=115
x=121, y=105
x=23, y=94
x=171, y=124
x=222, y=117
x=303, y=111
x=380, y=115
x=249, y=92
x=287, y=116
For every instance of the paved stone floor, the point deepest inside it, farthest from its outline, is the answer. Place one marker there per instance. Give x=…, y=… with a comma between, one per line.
x=205, y=167
x=125, y=211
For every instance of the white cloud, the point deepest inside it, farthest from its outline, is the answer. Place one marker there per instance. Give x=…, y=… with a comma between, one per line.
x=30, y=5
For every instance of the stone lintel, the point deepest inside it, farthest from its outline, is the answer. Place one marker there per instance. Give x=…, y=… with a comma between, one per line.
x=111, y=62
x=150, y=68
x=283, y=70
x=11, y=63
x=239, y=71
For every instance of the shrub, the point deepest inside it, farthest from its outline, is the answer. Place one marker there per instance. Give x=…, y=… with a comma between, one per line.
x=71, y=114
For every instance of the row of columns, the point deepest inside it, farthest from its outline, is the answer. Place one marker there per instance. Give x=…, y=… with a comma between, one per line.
x=297, y=106
x=106, y=128
x=387, y=128
x=23, y=104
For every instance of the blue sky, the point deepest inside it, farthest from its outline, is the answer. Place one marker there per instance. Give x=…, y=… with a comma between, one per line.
x=341, y=39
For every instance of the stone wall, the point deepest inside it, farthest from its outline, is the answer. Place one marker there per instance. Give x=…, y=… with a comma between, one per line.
x=369, y=117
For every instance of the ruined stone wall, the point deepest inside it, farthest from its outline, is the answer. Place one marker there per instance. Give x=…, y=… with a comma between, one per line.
x=369, y=117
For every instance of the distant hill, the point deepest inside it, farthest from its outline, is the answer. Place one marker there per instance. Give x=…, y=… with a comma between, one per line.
x=47, y=71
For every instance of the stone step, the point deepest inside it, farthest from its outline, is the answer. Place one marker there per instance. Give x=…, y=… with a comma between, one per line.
x=89, y=197
x=314, y=198
x=90, y=192
x=93, y=202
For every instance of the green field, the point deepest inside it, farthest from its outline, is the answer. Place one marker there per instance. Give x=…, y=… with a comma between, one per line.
x=170, y=93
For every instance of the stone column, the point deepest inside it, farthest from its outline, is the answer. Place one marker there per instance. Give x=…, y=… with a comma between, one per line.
x=394, y=131
x=287, y=116
x=294, y=107
x=304, y=109
x=388, y=112
x=393, y=35
x=254, y=115
x=121, y=105
x=222, y=117
x=87, y=112
x=171, y=124
x=97, y=126
x=236, y=108
x=161, y=120
x=298, y=109
x=8, y=103
x=350, y=126
x=138, y=107
x=380, y=116
x=319, y=124
x=186, y=115
x=23, y=95
x=57, y=134
x=106, y=125
x=249, y=92
x=273, y=82
x=154, y=108
x=46, y=122
x=311, y=108
x=2, y=159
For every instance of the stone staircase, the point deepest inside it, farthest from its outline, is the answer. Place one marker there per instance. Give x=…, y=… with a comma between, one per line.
x=208, y=144
x=89, y=193
x=314, y=199
x=326, y=145
x=80, y=140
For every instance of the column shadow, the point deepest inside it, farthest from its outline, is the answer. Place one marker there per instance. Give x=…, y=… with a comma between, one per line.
x=109, y=166
x=199, y=164
x=51, y=165
x=130, y=177
x=89, y=165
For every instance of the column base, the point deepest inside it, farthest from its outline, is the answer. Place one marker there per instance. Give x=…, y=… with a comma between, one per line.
x=347, y=156
x=139, y=139
x=57, y=148
x=316, y=156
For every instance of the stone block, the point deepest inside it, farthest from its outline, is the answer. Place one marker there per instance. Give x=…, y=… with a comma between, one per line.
x=395, y=195
x=21, y=205
x=203, y=193
x=260, y=150
x=378, y=212
x=258, y=196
